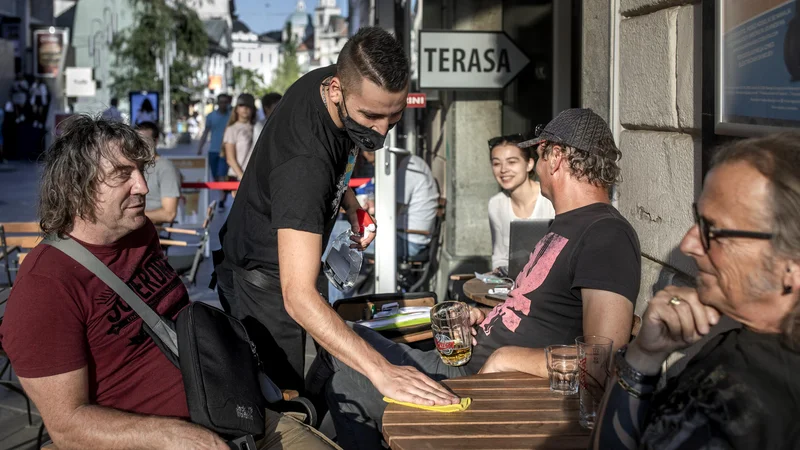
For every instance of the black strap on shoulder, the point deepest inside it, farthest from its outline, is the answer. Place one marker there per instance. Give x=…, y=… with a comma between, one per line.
x=161, y=329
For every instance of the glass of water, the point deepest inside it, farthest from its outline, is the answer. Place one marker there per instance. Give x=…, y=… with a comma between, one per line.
x=594, y=362
x=562, y=368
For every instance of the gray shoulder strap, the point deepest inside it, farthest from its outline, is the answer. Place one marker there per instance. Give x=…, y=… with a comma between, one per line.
x=84, y=257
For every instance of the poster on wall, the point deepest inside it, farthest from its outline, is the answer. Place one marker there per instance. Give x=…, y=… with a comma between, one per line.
x=49, y=50
x=758, y=66
x=144, y=107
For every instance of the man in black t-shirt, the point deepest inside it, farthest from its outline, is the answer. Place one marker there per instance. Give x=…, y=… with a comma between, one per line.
x=741, y=390
x=295, y=183
x=582, y=279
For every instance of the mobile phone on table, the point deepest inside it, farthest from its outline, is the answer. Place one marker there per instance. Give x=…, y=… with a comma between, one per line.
x=243, y=443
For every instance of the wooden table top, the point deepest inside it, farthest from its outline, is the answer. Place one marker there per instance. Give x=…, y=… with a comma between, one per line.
x=477, y=291
x=509, y=410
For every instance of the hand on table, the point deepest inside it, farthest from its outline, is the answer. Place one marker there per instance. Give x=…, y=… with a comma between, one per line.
x=674, y=319
x=407, y=384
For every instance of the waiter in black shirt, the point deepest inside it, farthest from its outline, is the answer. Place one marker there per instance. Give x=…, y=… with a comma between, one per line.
x=284, y=211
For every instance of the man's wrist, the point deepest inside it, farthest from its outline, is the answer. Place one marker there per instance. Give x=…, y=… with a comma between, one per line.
x=641, y=361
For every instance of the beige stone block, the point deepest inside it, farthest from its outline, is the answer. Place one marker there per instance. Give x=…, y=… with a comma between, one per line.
x=647, y=71
x=596, y=50
x=661, y=176
x=689, y=67
x=637, y=7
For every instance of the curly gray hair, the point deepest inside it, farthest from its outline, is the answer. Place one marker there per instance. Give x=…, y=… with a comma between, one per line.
x=598, y=168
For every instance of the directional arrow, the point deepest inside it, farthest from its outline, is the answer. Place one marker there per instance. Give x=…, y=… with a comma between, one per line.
x=468, y=60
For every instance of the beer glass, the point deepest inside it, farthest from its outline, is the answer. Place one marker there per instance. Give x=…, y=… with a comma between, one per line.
x=562, y=368
x=594, y=360
x=451, y=332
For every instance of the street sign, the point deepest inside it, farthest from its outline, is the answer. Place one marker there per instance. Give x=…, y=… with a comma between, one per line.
x=468, y=60
x=416, y=100
x=79, y=82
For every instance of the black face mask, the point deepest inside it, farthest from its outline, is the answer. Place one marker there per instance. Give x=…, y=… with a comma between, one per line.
x=366, y=138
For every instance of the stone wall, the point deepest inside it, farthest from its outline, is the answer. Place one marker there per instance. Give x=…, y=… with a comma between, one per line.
x=660, y=90
x=659, y=112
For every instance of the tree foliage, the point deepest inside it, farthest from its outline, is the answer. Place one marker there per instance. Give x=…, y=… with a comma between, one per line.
x=288, y=71
x=248, y=81
x=138, y=48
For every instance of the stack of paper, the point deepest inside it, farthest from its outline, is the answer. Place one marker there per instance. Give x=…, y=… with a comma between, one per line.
x=406, y=317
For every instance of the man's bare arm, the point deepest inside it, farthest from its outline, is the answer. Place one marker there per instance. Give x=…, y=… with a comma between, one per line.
x=299, y=253
x=203, y=139
x=604, y=314
x=607, y=314
x=230, y=158
x=167, y=212
x=73, y=423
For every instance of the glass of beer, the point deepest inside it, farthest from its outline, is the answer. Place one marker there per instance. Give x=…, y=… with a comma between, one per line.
x=562, y=368
x=451, y=333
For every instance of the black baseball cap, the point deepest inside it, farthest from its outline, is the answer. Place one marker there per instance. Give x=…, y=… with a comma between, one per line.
x=246, y=100
x=579, y=128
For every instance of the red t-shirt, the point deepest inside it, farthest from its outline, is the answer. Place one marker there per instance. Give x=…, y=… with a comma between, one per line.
x=60, y=317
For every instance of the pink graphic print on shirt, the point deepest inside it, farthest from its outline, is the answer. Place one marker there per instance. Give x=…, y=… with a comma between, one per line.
x=532, y=276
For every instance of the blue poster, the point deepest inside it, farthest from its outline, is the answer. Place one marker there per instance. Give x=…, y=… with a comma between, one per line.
x=761, y=62
x=144, y=107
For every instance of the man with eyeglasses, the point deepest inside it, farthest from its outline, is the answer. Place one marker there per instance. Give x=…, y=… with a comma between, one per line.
x=582, y=279
x=740, y=391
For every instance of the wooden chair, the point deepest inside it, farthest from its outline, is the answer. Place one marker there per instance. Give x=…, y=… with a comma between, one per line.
x=16, y=240
x=190, y=269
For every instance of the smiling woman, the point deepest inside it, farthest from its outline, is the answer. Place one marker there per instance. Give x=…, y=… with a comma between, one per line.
x=521, y=196
x=89, y=153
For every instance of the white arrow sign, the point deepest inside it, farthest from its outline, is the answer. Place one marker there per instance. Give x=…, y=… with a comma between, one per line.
x=468, y=60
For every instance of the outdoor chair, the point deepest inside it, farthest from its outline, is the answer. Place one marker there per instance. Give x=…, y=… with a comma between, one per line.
x=16, y=240
x=187, y=265
x=415, y=272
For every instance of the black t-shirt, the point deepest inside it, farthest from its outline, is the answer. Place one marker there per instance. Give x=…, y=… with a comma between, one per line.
x=299, y=169
x=591, y=247
x=740, y=391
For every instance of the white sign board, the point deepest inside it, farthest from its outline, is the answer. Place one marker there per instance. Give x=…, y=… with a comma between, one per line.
x=79, y=82
x=468, y=60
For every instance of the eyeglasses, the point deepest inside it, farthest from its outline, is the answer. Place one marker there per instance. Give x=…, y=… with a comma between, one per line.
x=708, y=232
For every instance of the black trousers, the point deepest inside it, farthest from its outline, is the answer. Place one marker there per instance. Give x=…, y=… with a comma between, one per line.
x=256, y=300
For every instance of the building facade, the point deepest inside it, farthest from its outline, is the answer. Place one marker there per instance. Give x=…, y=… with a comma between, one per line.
x=259, y=53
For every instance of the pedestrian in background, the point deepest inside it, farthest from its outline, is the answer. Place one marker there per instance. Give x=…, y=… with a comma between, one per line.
x=216, y=122
x=112, y=113
x=238, y=138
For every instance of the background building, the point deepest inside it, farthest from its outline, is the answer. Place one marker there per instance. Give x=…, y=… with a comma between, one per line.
x=259, y=53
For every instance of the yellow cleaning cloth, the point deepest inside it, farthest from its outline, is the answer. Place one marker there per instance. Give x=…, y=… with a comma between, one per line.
x=465, y=402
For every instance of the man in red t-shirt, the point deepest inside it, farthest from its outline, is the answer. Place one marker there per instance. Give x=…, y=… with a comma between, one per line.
x=79, y=350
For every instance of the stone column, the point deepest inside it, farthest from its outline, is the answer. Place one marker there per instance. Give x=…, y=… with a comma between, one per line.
x=469, y=120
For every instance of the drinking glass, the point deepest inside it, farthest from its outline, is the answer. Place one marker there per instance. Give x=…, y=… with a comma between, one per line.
x=451, y=333
x=562, y=368
x=594, y=361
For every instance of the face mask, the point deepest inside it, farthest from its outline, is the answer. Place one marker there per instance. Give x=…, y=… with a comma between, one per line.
x=365, y=137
